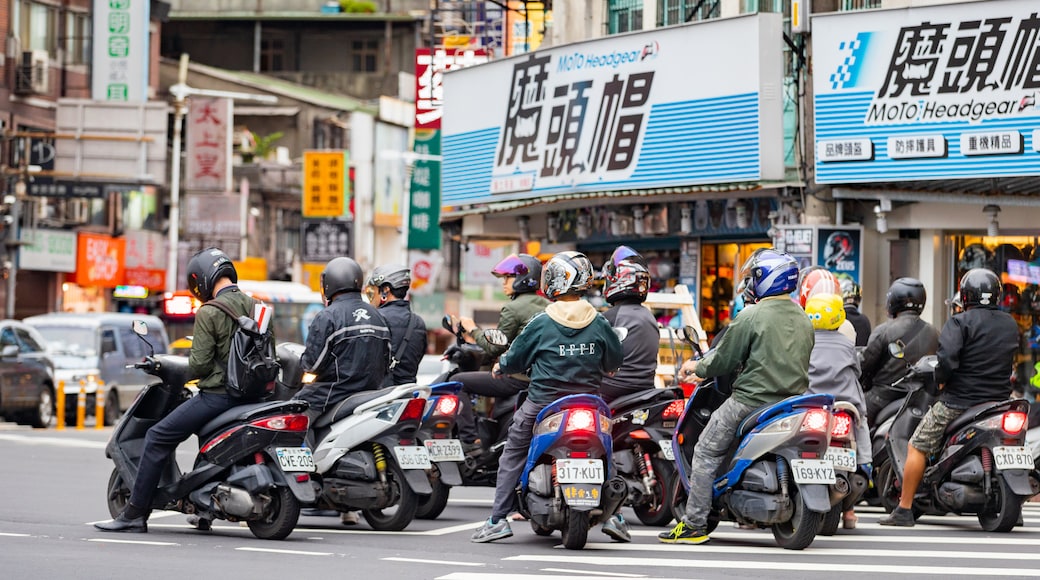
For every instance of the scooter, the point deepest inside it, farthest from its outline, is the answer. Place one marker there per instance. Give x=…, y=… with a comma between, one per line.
x=983, y=468
x=851, y=477
x=253, y=464
x=437, y=432
x=567, y=483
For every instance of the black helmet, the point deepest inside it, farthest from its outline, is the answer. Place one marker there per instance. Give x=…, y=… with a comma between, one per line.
x=980, y=287
x=905, y=294
x=626, y=276
x=340, y=275
x=526, y=268
x=850, y=291
x=396, y=276
x=205, y=268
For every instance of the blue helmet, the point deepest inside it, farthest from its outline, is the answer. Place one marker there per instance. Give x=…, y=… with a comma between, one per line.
x=768, y=272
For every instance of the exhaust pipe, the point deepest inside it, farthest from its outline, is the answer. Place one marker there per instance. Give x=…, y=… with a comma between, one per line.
x=234, y=501
x=614, y=493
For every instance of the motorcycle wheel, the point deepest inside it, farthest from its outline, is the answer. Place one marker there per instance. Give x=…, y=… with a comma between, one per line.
x=887, y=491
x=658, y=511
x=799, y=531
x=1009, y=508
x=118, y=493
x=280, y=518
x=539, y=530
x=677, y=497
x=576, y=531
x=831, y=520
x=405, y=502
x=431, y=506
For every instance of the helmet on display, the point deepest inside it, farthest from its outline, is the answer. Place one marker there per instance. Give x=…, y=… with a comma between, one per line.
x=626, y=276
x=396, y=276
x=1003, y=253
x=566, y=273
x=205, y=269
x=340, y=275
x=975, y=256
x=768, y=272
x=980, y=287
x=826, y=311
x=817, y=280
x=526, y=268
x=850, y=291
x=905, y=294
x=837, y=249
x=1011, y=299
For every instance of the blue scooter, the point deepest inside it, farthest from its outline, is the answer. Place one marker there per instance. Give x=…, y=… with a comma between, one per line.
x=568, y=483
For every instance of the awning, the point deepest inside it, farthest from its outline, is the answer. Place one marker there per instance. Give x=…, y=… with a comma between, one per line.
x=258, y=111
x=1010, y=191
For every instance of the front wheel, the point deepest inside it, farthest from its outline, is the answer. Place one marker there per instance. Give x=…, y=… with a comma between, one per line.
x=402, y=498
x=1001, y=512
x=43, y=412
x=111, y=407
x=118, y=493
x=279, y=518
x=887, y=490
x=799, y=531
x=657, y=511
x=576, y=530
x=431, y=506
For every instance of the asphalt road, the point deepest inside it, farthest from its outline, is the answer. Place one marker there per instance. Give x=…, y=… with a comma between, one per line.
x=52, y=487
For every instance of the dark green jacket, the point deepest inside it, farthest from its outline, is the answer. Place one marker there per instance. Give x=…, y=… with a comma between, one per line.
x=211, y=340
x=513, y=317
x=770, y=343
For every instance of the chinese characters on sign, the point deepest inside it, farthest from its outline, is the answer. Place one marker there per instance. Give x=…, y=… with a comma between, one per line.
x=424, y=230
x=326, y=239
x=429, y=76
x=845, y=150
x=208, y=146
x=120, y=63
x=145, y=259
x=325, y=182
x=99, y=260
x=991, y=143
x=917, y=146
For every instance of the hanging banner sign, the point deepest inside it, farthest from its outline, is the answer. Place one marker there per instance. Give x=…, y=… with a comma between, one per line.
x=424, y=208
x=208, y=145
x=429, y=79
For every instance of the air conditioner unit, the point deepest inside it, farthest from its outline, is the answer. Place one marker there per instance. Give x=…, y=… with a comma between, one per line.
x=33, y=73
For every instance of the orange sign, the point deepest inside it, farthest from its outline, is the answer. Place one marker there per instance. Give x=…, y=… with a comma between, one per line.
x=312, y=274
x=325, y=184
x=151, y=279
x=252, y=268
x=100, y=260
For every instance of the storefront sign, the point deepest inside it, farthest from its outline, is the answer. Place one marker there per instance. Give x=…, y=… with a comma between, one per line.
x=621, y=112
x=325, y=183
x=840, y=250
x=100, y=261
x=120, y=39
x=424, y=205
x=135, y=292
x=323, y=240
x=208, y=144
x=429, y=79
x=390, y=174
x=47, y=250
x=94, y=190
x=211, y=216
x=425, y=267
x=940, y=92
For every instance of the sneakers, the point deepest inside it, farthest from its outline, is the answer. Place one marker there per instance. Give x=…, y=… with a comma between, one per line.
x=491, y=531
x=200, y=523
x=617, y=528
x=683, y=533
x=901, y=517
x=121, y=523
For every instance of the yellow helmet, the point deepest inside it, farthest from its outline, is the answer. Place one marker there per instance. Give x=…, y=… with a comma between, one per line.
x=826, y=311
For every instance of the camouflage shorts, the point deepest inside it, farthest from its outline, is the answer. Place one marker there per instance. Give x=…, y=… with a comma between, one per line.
x=928, y=436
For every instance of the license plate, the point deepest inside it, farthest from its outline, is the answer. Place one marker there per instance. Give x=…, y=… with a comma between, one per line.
x=581, y=495
x=813, y=471
x=666, y=449
x=842, y=458
x=1012, y=458
x=579, y=471
x=412, y=457
x=444, y=449
x=295, y=458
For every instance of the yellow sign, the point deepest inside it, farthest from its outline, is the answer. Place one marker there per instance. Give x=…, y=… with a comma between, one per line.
x=325, y=183
x=312, y=275
x=251, y=269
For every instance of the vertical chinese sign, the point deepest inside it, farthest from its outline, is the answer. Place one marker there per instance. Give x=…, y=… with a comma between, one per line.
x=120, y=64
x=325, y=183
x=208, y=146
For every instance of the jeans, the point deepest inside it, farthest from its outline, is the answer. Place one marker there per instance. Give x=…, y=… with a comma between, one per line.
x=513, y=458
x=480, y=383
x=708, y=454
x=163, y=438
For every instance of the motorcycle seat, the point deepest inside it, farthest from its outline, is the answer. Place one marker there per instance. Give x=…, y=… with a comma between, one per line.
x=973, y=413
x=751, y=421
x=346, y=407
x=642, y=397
x=247, y=412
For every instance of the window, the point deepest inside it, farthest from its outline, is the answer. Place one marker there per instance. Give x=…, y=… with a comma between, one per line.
x=847, y=5
x=679, y=11
x=38, y=27
x=750, y=6
x=77, y=38
x=108, y=342
x=28, y=343
x=272, y=54
x=365, y=55
x=625, y=15
x=7, y=338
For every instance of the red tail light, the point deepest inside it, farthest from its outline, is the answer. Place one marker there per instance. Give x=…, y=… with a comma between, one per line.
x=1013, y=422
x=446, y=405
x=639, y=434
x=674, y=409
x=815, y=420
x=218, y=439
x=283, y=423
x=413, y=411
x=842, y=425
x=581, y=420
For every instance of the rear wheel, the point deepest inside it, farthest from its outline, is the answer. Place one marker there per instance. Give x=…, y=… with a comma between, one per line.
x=830, y=521
x=657, y=511
x=279, y=518
x=539, y=530
x=1002, y=511
x=887, y=490
x=42, y=413
x=799, y=531
x=431, y=506
x=403, y=503
x=118, y=493
x=576, y=530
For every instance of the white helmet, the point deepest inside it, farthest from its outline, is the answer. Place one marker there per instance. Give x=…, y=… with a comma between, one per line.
x=566, y=273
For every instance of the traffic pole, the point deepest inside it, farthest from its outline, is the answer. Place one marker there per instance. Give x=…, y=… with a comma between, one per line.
x=81, y=405
x=99, y=406
x=61, y=406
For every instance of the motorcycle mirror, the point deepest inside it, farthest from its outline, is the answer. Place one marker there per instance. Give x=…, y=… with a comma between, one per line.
x=621, y=332
x=446, y=323
x=496, y=337
x=896, y=349
x=927, y=364
x=140, y=328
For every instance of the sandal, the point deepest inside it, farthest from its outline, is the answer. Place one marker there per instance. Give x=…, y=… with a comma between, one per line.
x=849, y=522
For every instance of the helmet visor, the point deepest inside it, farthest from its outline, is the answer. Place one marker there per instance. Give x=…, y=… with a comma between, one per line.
x=512, y=265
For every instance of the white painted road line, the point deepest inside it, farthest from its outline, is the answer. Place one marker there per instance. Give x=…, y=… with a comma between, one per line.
x=594, y=573
x=974, y=539
x=436, y=532
x=141, y=542
x=810, y=551
x=486, y=576
x=56, y=441
x=12, y=535
x=900, y=569
x=277, y=551
x=444, y=562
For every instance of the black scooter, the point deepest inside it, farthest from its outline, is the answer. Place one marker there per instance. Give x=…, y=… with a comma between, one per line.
x=252, y=465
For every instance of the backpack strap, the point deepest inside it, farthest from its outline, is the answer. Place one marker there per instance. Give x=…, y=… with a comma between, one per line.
x=223, y=308
x=412, y=326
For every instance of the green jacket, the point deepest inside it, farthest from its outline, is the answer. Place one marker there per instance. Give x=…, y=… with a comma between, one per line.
x=211, y=340
x=513, y=317
x=770, y=343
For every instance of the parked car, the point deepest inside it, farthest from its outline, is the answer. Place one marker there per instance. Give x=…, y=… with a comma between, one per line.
x=92, y=347
x=26, y=375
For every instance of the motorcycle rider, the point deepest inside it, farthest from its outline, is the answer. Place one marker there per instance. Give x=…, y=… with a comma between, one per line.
x=851, y=294
x=976, y=355
x=521, y=275
x=627, y=284
x=386, y=288
x=770, y=342
x=211, y=277
x=904, y=302
x=819, y=280
x=548, y=349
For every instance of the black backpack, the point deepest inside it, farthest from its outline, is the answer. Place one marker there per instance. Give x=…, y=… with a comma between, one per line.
x=251, y=365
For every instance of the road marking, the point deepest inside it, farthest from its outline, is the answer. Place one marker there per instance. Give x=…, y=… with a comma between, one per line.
x=900, y=569
x=13, y=535
x=422, y=561
x=486, y=576
x=613, y=574
x=887, y=538
x=153, y=516
x=141, y=542
x=434, y=532
x=277, y=551
x=57, y=441
x=825, y=552
x=471, y=501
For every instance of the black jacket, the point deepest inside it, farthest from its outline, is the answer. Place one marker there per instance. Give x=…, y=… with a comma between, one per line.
x=976, y=354
x=860, y=322
x=880, y=368
x=348, y=348
x=639, y=347
x=402, y=322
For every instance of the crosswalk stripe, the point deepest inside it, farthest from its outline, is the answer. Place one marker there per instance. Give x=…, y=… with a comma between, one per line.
x=974, y=539
x=810, y=552
x=508, y=576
